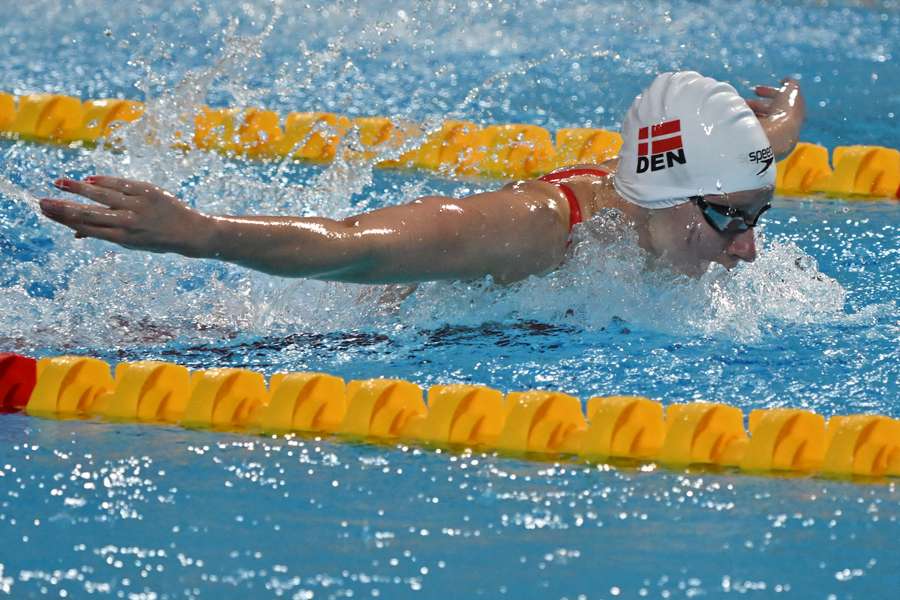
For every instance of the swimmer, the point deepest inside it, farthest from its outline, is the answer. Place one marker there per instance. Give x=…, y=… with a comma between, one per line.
x=695, y=173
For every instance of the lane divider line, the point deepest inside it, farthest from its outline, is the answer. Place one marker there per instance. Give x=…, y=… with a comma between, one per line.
x=535, y=423
x=457, y=148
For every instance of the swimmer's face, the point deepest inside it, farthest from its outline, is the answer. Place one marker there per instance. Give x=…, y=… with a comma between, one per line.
x=684, y=237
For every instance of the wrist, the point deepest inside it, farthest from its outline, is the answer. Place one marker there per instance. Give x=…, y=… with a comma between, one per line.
x=201, y=240
x=782, y=133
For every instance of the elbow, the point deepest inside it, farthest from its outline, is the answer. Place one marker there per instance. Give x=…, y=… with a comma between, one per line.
x=355, y=255
x=335, y=252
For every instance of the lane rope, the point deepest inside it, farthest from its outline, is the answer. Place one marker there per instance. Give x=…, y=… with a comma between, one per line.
x=536, y=423
x=456, y=148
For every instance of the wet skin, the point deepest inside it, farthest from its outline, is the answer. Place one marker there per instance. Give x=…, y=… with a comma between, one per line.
x=516, y=231
x=687, y=241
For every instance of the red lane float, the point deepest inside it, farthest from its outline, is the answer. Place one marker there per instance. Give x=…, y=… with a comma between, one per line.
x=17, y=378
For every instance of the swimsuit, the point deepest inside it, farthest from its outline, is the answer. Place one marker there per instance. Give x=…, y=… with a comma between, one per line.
x=556, y=177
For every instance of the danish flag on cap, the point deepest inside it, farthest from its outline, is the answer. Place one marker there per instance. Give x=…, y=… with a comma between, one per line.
x=660, y=146
x=660, y=137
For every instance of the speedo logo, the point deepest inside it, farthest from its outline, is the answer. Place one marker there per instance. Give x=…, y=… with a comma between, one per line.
x=762, y=156
x=660, y=147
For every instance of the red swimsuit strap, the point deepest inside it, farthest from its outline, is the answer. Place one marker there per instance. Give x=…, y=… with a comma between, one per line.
x=574, y=207
x=576, y=172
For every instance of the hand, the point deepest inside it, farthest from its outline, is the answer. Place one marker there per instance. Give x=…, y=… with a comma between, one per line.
x=781, y=112
x=133, y=214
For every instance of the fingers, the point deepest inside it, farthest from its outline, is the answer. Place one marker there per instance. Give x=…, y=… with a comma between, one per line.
x=759, y=107
x=88, y=221
x=110, y=234
x=114, y=192
x=102, y=195
x=766, y=91
x=76, y=215
x=129, y=187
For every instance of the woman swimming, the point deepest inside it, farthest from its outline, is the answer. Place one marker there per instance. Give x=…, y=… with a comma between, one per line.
x=695, y=172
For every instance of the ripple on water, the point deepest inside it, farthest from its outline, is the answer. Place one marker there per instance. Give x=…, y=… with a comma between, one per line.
x=152, y=510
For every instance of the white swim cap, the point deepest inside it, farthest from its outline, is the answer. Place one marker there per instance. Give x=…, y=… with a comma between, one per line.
x=689, y=135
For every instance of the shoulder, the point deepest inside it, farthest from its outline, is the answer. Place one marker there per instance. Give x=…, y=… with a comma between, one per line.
x=538, y=197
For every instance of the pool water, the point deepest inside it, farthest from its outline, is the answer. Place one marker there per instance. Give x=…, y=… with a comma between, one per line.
x=93, y=509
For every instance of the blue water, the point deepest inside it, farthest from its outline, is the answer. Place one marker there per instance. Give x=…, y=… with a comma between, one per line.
x=89, y=509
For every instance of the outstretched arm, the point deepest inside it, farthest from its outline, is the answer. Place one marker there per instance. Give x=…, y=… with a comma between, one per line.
x=510, y=233
x=781, y=112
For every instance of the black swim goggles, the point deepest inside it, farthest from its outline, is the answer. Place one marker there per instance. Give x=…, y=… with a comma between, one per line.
x=728, y=219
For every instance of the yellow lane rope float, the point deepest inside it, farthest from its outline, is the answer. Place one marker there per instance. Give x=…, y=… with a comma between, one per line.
x=456, y=148
x=536, y=423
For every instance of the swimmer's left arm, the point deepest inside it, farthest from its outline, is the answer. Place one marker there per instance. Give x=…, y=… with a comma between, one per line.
x=508, y=233
x=781, y=112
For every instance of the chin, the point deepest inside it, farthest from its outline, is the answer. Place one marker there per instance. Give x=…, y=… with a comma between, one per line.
x=692, y=268
x=728, y=263
x=695, y=270
x=699, y=269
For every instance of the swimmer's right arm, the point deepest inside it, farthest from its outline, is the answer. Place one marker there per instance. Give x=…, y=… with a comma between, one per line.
x=781, y=112
x=509, y=234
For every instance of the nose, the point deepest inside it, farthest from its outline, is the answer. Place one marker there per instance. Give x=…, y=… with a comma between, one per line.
x=743, y=246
